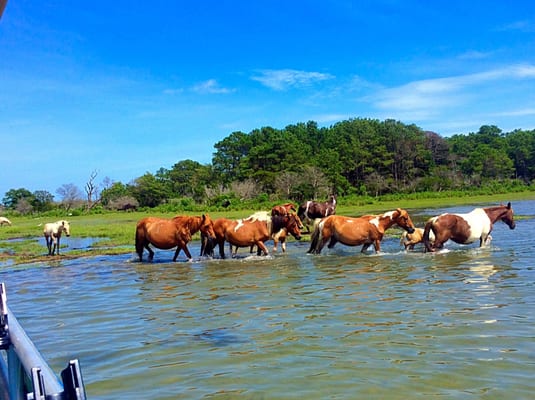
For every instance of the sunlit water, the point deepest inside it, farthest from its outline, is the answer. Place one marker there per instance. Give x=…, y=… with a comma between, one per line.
x=341, y=325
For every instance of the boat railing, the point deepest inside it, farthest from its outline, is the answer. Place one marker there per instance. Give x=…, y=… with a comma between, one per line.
x=24, y=373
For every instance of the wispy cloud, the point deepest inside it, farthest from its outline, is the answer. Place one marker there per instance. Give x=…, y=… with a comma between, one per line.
x=283, y=79
x=211, y=86
x=522, y=26
x=424, y=97
x=475, y=55
x=173, y=91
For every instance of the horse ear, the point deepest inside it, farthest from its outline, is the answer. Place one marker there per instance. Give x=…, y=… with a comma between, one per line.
x=509, y=205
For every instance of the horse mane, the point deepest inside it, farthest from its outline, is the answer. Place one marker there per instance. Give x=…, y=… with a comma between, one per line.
x=277, y=223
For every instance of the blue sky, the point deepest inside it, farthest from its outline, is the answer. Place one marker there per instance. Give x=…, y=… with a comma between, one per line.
x=124, y=87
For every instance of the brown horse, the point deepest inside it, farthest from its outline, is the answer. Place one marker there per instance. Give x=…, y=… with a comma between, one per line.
x=466, y=228
x=169, y=233
x=253, y=231
x=366, y=230
x=311, y=210
x=409, y=240
x=283, y=209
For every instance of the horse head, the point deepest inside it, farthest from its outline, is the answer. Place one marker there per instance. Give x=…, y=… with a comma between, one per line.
x=508, y=216
x=207, y=227
x=403, y=220
x=66, y=228
x=293, y=224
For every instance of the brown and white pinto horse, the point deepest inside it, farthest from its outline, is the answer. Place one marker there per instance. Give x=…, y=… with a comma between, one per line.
x=253, y=231
x=168, y=233
x=311, y=210
x=365, y=230
x=466, y=228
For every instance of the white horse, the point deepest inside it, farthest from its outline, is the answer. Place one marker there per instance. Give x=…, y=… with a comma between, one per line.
x=4, y=221
x=52, y=232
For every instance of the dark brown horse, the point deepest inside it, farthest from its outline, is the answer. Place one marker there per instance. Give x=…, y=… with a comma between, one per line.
x=169, y=233
x=253, y=231
x=366, y=230
x=311, y=210
x=466, y=228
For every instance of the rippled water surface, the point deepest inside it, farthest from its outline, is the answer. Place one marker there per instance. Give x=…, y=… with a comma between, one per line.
x=341, y=325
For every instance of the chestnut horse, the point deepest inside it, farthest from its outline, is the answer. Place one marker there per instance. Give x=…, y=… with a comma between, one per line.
x=253, y=231
x=409, y=240
x=283, y=209
x=52, y=232
x=466, y=228
x=365, y=230
x=169, y=233
x=311, y=210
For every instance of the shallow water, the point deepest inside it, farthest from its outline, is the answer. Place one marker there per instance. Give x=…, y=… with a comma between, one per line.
x=340, y=325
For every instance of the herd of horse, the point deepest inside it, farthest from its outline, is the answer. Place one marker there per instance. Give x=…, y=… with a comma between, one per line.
x=328, y=229
x=286, y=219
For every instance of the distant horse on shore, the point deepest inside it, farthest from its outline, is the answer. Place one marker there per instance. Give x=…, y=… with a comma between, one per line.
x=466, y=228
x=52, y=232
x=365, y=230
x=4, y=221
x=311, y=210
x=169, y=233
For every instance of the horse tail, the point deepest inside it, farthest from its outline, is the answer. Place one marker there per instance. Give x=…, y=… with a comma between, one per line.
x=316, y=237
x=140, y=239
x=301, y=211
x=427, y=230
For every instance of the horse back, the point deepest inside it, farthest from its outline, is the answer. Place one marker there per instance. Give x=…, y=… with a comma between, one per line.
x=246, y=232
x=458, y=227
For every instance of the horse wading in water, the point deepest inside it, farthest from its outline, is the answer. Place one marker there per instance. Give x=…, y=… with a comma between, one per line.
x=311, y=210
x=52, y=232
x=466, y=228
x=409, y=240
x=169, y=233
x=253, y=231
x=365, y=230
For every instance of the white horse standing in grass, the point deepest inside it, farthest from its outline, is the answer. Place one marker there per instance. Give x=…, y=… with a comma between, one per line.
x=52, y=232
x=4, y=221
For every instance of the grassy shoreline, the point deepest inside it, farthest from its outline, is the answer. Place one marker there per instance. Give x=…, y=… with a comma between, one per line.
x=114, y=232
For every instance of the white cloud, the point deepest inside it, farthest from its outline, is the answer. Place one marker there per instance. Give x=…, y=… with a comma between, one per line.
x=211, y=86
x=283, y=79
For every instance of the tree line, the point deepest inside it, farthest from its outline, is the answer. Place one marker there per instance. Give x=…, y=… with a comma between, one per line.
x=361, y=157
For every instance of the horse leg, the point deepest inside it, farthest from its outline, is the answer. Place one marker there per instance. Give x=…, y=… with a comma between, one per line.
x=232, y=254
x=151, y=253
x=186, y=251
x=332, y=242
x=262, y=247
x=57, y=245
x=222, y=249
x=48, y=244
x=377, y=246
x=484, y=240
x=365, y=247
